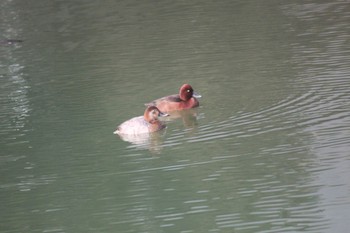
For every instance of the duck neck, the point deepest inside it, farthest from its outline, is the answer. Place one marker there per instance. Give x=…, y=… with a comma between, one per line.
x=153, y=121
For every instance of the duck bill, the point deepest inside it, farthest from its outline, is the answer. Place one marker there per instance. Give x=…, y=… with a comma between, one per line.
x=163, y=114
x=196, y=95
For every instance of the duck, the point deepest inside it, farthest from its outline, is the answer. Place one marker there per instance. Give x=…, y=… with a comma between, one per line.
x=148, y=123
x=186, y=99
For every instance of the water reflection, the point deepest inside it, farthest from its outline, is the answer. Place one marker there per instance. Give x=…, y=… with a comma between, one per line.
x=14, y=107
x=149, y=141
x=188, y=117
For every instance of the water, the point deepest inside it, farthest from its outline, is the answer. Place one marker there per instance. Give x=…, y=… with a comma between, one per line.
x=267, y=150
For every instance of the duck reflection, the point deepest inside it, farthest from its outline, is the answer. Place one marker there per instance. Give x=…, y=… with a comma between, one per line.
x=149, y=141
x=189, y=117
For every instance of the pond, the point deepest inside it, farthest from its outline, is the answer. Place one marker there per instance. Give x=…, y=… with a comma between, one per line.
x=267, y=150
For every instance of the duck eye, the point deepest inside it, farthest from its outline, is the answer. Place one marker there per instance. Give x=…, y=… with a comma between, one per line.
x=188, y=90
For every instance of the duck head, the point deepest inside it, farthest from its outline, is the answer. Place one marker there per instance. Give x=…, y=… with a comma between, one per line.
x=186, y=92
x=152, y=113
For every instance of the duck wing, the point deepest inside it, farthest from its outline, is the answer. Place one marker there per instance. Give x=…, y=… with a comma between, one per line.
x=133, y=126
x=170, y=98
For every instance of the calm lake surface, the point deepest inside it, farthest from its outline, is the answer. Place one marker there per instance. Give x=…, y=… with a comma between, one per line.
x=268, y=150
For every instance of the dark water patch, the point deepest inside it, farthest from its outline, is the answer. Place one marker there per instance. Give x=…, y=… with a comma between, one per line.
x=10, y=41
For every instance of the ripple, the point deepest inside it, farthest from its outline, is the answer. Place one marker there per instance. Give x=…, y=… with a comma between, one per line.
x=306, y=111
